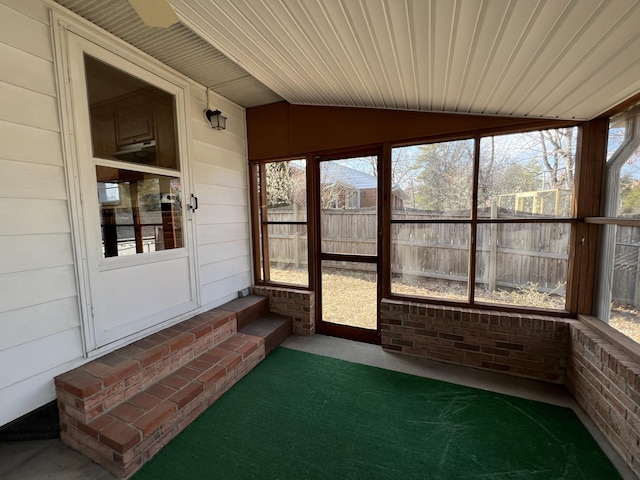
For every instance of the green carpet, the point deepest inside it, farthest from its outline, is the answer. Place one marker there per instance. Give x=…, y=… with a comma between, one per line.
x=304, y=416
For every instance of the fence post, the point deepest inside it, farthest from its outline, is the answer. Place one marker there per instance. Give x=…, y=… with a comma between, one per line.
x=493, y=249
x=636, y=294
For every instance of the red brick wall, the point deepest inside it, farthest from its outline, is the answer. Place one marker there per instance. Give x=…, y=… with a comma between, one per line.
x=297, y=304
x=529, y=346
x=606, y=383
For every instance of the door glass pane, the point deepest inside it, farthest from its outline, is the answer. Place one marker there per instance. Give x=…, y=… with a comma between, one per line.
x=131, y=121
x=430, y=260
x=349, y=199
x=349, y=294
x=523, y=264
x=139, y=212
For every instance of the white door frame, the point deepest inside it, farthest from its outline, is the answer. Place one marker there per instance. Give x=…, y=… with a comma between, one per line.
x=72, y=38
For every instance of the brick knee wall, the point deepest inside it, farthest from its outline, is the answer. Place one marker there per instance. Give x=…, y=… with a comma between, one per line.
x=297, y=304
x=530, y=346
x=606, y=383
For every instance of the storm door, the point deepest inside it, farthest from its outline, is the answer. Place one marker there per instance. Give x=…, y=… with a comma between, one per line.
x=349, y=230
x=134, y=191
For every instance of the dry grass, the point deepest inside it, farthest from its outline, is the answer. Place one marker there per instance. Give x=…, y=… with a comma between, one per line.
x=350, y=299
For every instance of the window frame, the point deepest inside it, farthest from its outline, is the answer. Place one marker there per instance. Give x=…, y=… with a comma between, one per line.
x=599, y=317
x=260, y=226
x=473, y=221
x=386, y=192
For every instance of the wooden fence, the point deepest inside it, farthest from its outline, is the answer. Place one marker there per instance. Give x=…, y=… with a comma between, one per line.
x=507, y=255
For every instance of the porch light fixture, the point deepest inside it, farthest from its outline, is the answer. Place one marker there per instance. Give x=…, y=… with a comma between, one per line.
x=216, y=119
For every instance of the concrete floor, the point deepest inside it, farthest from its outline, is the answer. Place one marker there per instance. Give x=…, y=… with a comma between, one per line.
x=51, y=460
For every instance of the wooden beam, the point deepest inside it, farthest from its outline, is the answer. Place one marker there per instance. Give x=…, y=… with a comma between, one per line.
x=591, y=158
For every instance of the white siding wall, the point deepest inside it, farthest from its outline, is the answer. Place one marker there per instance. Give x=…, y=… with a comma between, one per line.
x=39, y=320
x=40, y=334
x=220, y=183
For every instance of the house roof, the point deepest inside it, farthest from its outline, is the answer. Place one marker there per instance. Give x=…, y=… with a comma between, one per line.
x=333, y=173
x=561, y=59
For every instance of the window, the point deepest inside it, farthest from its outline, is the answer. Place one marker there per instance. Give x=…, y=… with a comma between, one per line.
x=282, y=192
x=430, y=231
x=618, y=302
x=137, y=167
x=521, y=220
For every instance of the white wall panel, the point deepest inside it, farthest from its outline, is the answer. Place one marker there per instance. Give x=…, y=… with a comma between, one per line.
x=39, y=355
x=26, y=144
x=213, y=272
x=19, y=253
x=26, y=71
x=217, y=293
x=221, y=195
x=214, y=234
x=32, y=180
x=27, y=216
x=26, y=324
x=33, y=287
x=220, y=176
x=24, y=32
x=27, y=107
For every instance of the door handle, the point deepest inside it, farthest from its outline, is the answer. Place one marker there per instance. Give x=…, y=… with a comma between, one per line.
x=194, y=205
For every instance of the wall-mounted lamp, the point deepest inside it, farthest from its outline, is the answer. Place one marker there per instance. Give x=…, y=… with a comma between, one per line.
x=216, y=119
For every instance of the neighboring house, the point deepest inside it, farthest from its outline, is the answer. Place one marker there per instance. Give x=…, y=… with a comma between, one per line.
x=345, y=187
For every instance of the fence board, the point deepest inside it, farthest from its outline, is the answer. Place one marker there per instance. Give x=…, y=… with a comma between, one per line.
x=535, y=253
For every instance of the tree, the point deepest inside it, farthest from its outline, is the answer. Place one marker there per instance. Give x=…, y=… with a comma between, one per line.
x=446, y=176
x=279, y=184
x=555, y=150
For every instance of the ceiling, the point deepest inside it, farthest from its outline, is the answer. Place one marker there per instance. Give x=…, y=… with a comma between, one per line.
x=178, y=47
x=567, y=59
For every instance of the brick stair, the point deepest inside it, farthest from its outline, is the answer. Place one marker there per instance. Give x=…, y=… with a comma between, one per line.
x=255, y=319
x=122, y=408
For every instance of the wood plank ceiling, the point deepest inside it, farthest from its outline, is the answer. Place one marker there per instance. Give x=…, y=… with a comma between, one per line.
x=567, y=59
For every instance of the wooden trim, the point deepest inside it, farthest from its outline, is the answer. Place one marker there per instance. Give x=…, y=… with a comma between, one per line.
x=485, y=306
x=283, y=130
x=264, y=227
x=255, y=220
x=618, y=339
x=590, y=163
x=473, y=241
x=624, y=222
x=621, y=107
x=313, y=229
x=384, y=238
x=353, y=333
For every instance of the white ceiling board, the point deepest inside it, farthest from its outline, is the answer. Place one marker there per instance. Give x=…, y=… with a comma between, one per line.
x=177, y=47
x=535, y=58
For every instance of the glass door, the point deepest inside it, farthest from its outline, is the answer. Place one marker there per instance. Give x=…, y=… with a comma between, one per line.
x=349, y=236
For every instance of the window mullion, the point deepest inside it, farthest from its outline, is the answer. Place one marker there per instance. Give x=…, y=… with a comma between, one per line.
x=471, y=285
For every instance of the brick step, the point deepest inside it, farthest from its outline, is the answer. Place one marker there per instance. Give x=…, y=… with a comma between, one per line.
x=272, y=327
x=89, y=390
x=122, y=408
x=247, y=309
x=122, y=438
